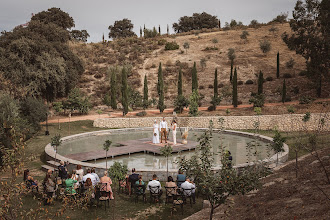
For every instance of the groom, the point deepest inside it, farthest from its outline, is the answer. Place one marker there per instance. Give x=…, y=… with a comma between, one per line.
x=163, y=130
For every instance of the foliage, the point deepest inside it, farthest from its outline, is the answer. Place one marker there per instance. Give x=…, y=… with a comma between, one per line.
x=235, y=98
x=34, y=111
x=76, y=101
x=141, y=114
x=278, y=65
x=310, y=38
x=290, y=63
x=249, y=82
x=215, y=41
x=306, y=100
x=135, y=99
x=273, y=30
x=186, y=46
x=121, y=29
x=215, y=99
x=254, y=23
x=166, y=151
x=148, y=33
x=278, y=142
x=171, y=46
x=244, y=35
x=113, y=87
x=260, y=82
x=193, y=107
x=56, y=141
x=180, y=103
x=231, y=54
x=265, y=46
x=145, y=93
x=37, y=58
x=180, y=93
x=258, y=100
x=284, y=91
x=160, y=87
x=117, y=171
x=282, y=18
x=124, y=91
x=58, y=107
x=291, y=109
x=194, y=78
x=306, y=117
x=195, y=22
x=78, y=35
x=203, y=63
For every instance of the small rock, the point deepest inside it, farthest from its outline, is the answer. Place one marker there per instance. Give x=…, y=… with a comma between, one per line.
x=268, y=184
x=206, y=204
x=314, y=162
x=279, y=179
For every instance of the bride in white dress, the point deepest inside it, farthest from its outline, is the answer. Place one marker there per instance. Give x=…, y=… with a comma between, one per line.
x=155, y=135
x=174, y=125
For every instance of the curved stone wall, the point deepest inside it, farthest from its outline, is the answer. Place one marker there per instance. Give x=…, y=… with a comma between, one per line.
x=147, y=173
x=287, y=122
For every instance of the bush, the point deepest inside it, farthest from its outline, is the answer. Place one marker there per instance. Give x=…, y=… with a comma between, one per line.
x=295, y=90
x=148, y=33
x=287, y=75
x=98, y=75
x=211, y=86
x=210, y=48
x=258, y=100
x=201, y=87
x=241, y=82
x=211, y=108
x=76, y=101
x=162, y=42
x=302, y=73
x=180, y=103
x=141, y=114
x=171, y=46
x=269, y=78
x=244, y=35
x=290, y=63
x=265, y=46
x=249, y=82
x=305, y=100
x=34, y=111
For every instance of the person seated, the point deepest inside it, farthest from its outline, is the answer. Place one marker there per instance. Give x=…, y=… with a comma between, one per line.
x=180, y=178
x=132, y=179
x=140, y=182
x=69, y=183
x=229, y=158
x=105, y=179
x=75, y=177
x=31, y=183
x=91, y=176
x=89, y=188
x=62, y=170
x=49, y=184
x=80, y=172
x=189, y=189
x=171, y=183
x=155, y=183
x=95, y=175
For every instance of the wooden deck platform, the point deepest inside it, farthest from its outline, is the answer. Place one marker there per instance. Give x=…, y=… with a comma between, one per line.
x=144, y=145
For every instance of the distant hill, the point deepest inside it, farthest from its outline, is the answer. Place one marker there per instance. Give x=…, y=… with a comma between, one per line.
x=145, y=55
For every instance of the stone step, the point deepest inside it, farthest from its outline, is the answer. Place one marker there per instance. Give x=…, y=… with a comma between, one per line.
x=46, y=168
x=53, y=163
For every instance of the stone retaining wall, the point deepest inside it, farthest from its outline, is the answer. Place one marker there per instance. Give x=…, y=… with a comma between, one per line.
x=285, y=122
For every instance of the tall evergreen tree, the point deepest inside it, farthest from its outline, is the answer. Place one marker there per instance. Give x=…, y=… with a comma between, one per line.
x=278, y=65
x=260, y=83
x=168, y=30
x=231, y=70
x=145, y=93
x=215, y=100
x=284, y=91
x=159, y=30
x=194, y=78
x=113, y=90
x=161, y=105
x=140, y=32
x=180, y=83
x=235, y=98
x=215, y=85
x=124, y=91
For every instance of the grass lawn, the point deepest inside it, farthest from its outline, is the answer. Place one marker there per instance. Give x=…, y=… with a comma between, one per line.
x=124, y=206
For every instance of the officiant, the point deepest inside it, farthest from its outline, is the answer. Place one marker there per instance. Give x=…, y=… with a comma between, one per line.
x=163, y=130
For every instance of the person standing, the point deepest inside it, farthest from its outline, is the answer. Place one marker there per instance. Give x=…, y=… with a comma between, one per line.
x=163, y=130
x=155, y=136
x=174, y=125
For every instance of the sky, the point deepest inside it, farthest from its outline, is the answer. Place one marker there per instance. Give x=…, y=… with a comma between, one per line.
x=96, y=16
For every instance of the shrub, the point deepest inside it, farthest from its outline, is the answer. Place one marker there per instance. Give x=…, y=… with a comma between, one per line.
x=201, y=87
x=141, y=114
x=211, y=108
x=302, y=73
x=241, y=82
x=211, y=86
x=269, y=78
x=282, y=18
x=290, y=63
x=34, y=111
x=287, y=75
x=77, y=101
x=98, y=75
x=244, y=35
x=180, y=103
x=305, y=100
x=148, y=33
x=258, y=100
x=249, y=82
x=210, y=48
x=295, y=90
x=162, y=42
x=265, y=46
x=171, y=46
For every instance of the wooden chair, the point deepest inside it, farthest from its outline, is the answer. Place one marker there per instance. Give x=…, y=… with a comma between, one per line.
x=170, y=192
x=123, y=185
x=178, y=200
x=187, y=194
x=139, y=190
x=103, y=195
x=155, y=193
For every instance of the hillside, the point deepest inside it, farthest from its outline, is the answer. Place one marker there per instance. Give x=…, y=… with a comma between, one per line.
x=145, y=55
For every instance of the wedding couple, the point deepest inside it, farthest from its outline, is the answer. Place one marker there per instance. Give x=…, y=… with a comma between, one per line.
x=163, y=129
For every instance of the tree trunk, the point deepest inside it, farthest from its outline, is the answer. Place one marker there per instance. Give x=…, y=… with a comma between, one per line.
x=59, y=125
x=296, y=163
x=212, y=210
x=167, y=166
x=106, y=160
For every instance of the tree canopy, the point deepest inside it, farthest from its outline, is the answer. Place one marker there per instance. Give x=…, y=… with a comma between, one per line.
x=197, y=21
x=121, y=28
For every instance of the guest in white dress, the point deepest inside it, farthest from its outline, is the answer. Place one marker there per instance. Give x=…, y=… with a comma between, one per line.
x=174, y=125
x=155, y=135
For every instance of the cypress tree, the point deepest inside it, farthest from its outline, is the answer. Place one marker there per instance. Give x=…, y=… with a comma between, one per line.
x=145, y=93
x=278, y=65
x=180, y=83
x=215, y=86
x=194, y=78
x=159, y=30
x=140, y=32
x=168, y=30
x=284, y=91
x=159, y=73
x=231, y=70
x=260, y=83
x=124, y=91
x=161, y=105
x=113, y=90
x=235, y=101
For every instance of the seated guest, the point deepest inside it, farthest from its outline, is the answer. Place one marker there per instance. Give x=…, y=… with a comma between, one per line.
x=154, y=183
x=29, y=180
x=170, y=183
x=95, y=175
x=91, y=176
x=62, y=170
x=79, y=172
x=69, y=183
x=75, y=177
x=132, y=179
x=88, y=186
x=107, y=180
x=189, y=185
x=180, y=178
x=49, y=184
x=229, y=159
x=140, y=182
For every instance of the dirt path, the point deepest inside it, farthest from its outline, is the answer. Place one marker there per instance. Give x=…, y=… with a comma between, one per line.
x=119, y=114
